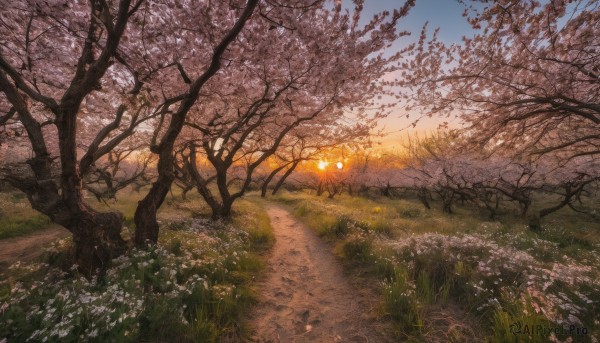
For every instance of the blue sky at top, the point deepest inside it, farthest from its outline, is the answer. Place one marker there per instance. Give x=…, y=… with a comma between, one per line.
x=445, y=14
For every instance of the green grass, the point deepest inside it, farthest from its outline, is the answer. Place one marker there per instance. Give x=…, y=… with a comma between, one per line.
x=402, y=305
x=519, y=323
x=22, y=226
x=413, y=283
x=195, y=286
x=17, y=218
x=250, y=214
x=419, y=283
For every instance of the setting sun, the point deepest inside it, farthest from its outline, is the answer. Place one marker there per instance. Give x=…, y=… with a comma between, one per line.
x=322, y=165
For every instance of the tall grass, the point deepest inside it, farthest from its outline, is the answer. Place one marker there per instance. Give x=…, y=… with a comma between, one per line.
x=194, y=286
x=15, y=226
x=421, y=279
x=251, y=215
x=402, y=305
x=17, y=218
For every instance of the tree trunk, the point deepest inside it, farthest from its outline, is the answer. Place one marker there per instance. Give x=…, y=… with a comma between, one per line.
x=570, y=192
x=386, y=191
x=284, y=177
x=145, y=215
x=447, y=199
x=97, y=240
x=534, y=223
x=222, y=210
x=320, y=189
x=525, y=207
x=422, y=195
x=265, y=185
x=447, y=207
x=96, y=235
x=263, y=191
x=146, y=226
x=185, y=191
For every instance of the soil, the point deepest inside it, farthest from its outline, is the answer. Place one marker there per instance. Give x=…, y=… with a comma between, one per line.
x=28, y=247
x=306, y=297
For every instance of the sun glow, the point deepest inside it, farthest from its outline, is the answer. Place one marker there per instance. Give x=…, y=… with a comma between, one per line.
x=322, y=165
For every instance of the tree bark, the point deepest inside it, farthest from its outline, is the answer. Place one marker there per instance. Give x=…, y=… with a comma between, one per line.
x=447, y=196
x=422, y=195
x=320, y=189
x=222, y=210
x=146, y=225
x=146, y=230
x=265, y=185
x=572, y=189
x=284, y=177
x=96, y=235
x=97, y=239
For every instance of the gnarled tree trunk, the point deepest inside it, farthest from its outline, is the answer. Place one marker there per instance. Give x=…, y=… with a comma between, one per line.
x=97, y=239
x=96, y=235
x=146, y=226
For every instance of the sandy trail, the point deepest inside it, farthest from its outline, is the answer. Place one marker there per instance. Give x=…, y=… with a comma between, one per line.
x=305, y=296
x=28, y=247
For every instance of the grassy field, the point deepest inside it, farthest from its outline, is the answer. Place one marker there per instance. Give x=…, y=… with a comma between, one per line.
x=441, y=277
x=194, y=286
x=464, y=277
x=17, y=218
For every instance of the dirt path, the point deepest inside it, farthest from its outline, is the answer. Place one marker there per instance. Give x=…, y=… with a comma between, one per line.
x=28, y=247
x=306, y=297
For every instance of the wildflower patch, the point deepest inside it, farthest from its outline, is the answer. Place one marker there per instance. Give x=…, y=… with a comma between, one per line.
x=191, y=286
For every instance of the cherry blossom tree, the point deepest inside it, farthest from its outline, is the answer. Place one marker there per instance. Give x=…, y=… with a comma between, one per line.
x=486, y=181
x=184, y=95
x=122, y=167
x=568, y=183
x=304, y=79
x=78, y=78
x=81, y=82
x=53, y=55
x=527, y=81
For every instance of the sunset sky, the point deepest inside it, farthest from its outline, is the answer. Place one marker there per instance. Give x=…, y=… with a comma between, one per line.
x=445, y=14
